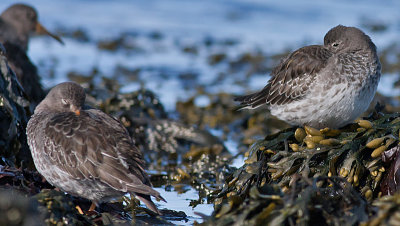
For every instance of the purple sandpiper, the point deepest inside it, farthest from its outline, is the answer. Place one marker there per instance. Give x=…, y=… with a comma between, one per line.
x=17, y=24
x=86, y=152
x=322, y=86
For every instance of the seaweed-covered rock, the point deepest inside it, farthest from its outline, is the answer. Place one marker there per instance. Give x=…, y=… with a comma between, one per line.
x=14, y=113
x=337, y=164
x=59, y=209
x=26, y=73
x=333, y=202
x=26, y=181
x=388, y=211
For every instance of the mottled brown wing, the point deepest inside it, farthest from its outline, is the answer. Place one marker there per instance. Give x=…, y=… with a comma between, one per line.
x=93, y=146
x=291, y=79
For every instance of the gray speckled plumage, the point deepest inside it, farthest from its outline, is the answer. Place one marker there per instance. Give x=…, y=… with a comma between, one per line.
x=85, y=153
x=326, y=85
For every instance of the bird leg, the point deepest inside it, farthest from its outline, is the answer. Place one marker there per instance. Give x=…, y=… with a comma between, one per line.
x=92, y=207
x=91, y=210
x=79, y=210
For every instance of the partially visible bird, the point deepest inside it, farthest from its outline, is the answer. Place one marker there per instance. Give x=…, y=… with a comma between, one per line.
x=86, y=152
x=17, y=24
x=326, y=85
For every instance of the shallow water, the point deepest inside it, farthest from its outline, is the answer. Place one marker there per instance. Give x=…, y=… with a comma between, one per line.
x=268, y=26
x=180, y=202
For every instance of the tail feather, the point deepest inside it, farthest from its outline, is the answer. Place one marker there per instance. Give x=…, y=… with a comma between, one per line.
x=146, y=199
x=252, y=100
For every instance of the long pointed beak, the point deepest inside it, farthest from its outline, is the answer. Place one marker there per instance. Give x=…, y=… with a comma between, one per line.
x=43, y=31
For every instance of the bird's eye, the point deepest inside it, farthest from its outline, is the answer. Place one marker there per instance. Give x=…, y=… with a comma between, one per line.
x=64, y=102
x=335, y=44
x=31, y=15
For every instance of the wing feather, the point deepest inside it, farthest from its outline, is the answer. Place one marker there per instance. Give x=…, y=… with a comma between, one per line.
x=93, y=146
x=291, y=79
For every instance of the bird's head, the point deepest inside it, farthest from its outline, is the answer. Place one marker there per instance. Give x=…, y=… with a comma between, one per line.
x=347, y=39
x=24, y=19
x=65, y=97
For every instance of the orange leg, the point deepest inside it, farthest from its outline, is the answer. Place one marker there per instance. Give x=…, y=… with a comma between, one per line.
x=92, y=207
x=79, y=210
x=91, y=210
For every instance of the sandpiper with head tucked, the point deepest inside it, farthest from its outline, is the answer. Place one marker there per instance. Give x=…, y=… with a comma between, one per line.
x=321, y=86
x=86, y=152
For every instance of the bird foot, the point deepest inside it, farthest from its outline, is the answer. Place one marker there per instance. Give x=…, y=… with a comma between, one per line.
x=79, y=210
x=91, y=211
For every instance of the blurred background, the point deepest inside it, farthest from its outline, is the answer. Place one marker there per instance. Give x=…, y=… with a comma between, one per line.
x=196, y=55
x=181, y=45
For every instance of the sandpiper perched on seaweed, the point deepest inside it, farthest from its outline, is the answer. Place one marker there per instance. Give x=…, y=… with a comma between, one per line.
x=17, y=24
x=86, y=152
x=326, y=85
